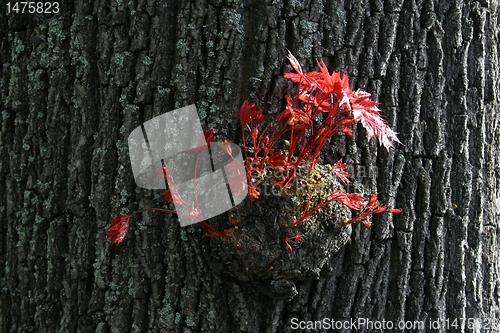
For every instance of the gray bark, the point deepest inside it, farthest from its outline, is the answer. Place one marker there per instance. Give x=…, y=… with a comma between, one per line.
x=97, y=70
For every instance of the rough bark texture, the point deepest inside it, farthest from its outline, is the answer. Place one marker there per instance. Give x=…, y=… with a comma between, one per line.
x=75, y=84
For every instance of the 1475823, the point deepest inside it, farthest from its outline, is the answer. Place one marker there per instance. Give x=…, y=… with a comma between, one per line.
x=21, y=7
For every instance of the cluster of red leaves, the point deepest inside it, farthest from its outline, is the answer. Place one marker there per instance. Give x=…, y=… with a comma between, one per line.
x=324, y=105
x=373, y=206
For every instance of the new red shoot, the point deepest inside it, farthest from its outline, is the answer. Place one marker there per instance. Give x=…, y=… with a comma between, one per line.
x=321, y=106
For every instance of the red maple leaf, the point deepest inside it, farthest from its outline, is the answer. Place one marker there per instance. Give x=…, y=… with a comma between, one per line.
x=249, y=112
x=367, y=113
x=118, y=228
x=278, y=161
x=352, y=200
x=339, y=170
x=334, y=83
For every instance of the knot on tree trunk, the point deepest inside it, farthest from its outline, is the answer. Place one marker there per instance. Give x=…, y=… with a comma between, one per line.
x=266, y=246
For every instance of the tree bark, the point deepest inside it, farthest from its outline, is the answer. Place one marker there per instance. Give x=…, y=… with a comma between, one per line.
x=76, y=83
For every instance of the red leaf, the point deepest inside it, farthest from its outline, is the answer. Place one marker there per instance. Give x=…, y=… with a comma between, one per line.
x=395, y=210
x=339, y=170
x=306, y=79
x=118, y=228
x=245, y=113
x=278, y=161
x=249, y=112
x=253, y=193
x=366, y=112
x=352, y=200
x=373, y=206
x=258, y=116
x=347, y=131
x=209, y=135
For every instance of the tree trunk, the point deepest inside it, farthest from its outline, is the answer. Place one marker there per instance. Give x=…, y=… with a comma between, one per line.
x=74, y=84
